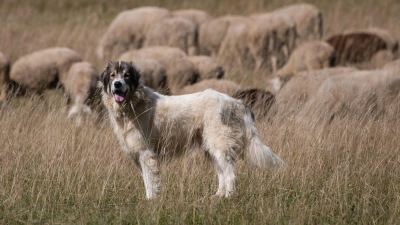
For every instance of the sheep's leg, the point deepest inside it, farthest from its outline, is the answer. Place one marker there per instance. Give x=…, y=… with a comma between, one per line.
x=273, y=63
x=150, y=173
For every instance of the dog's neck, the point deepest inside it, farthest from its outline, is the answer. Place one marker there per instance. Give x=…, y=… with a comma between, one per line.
x=133, y=106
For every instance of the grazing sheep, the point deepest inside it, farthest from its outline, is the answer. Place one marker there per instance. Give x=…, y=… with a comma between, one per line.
x=207, y=67
x=259, y=100
x=380, y=58
x=297, y=91
x=175, y=32
x=308, y=19
x=4, y=76
x=81, y=86
x=361, y=94
x=233, y=52
x=277, y=52
x=153, y=74
x=160, y=53
x=180, y=71
x=260, y=42
x=127, y=30
x=209, y=41
x=393, y=66
x=308, y=56
x=225, y=86
x=356, y=47
x=43, y=69
x=391, y=41
x=195, y=15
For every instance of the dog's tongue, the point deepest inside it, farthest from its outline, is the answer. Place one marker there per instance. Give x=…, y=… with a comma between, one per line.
x=119, y=97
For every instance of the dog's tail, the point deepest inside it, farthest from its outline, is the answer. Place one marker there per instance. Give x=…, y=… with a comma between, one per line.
x=257, y=154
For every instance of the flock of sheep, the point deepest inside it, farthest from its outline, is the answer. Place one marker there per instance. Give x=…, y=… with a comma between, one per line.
x=189, y=50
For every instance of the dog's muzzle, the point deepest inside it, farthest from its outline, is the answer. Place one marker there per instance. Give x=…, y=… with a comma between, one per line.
x=119, y=89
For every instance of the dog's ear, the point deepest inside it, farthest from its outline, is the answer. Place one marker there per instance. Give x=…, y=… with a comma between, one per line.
x=136, y=72
x=104, y=77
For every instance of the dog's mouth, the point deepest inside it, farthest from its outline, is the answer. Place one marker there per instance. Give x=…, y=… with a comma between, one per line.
x=119, y=96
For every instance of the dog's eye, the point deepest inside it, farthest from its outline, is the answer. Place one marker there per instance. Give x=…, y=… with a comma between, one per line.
x=112, y=75
x=126, y=75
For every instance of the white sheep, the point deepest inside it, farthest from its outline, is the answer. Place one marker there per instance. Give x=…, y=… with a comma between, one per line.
x=43, y=69
x=81, y=86
x=153, y=74
x=393, y=66
x=212, y=33
x=175, y=32
x=195, y=15
x=300, y=88
x=207, y=67
x=180, y=71
x=161, y=53
x=127, y=30
x=360, y=94
x=308, y=19
x=272, y=38
x=233, y=52
x=308, y=56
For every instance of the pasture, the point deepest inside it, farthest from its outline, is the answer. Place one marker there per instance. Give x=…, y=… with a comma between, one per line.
x=54, y=172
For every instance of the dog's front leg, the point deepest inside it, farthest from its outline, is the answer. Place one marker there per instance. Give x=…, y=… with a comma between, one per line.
x=150, y=172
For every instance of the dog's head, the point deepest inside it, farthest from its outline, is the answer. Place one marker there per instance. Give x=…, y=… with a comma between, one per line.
x=120, y=79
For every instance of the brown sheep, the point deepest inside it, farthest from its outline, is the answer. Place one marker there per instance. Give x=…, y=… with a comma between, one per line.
x=175, y=32
x=81, y=86
x=207, y=67
x=225, y=86
x=356, y=47
x=308, y=56
x=308, y=19
x=391, y=41
x=127, y=30
x=259, y=100
x=4, y=76
x=43, y=69
x=381, y=57
x=209, y=40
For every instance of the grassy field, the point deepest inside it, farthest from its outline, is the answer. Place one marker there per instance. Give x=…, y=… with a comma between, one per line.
x=53, y=172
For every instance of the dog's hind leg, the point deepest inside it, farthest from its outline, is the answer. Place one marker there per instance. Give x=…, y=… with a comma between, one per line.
x=225, y=168
x=221, y=179
x=150, y=173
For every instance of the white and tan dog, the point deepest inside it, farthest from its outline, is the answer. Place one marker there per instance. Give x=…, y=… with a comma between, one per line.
x=150, y=125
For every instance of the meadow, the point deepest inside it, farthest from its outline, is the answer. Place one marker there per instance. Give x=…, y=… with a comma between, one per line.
x=54, y=172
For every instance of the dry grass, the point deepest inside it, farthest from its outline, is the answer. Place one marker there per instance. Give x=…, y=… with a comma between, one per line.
x=52, y=171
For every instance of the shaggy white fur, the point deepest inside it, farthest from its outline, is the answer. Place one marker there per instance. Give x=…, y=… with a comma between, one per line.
x=150, y=125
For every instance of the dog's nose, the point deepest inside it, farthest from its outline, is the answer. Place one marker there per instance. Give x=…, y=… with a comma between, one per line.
x=117, y=84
